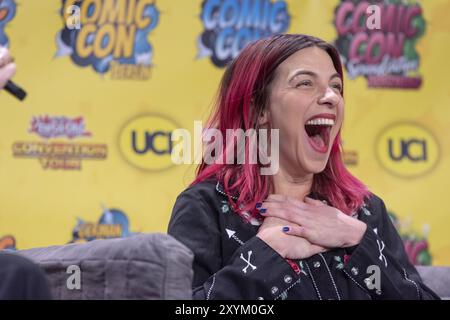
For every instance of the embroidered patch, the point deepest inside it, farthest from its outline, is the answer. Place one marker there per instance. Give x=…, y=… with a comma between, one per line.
x=253, y=221
x=232, y=235
x=225, y=207
x=284, y=295
x=340, y=264
x=249, y=264
x=381, y=247
x=346, y=258
x=302, y=268
x=366, y=211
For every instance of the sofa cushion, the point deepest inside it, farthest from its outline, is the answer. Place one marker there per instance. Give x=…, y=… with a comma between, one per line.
x=437, y=278
x=145, y=266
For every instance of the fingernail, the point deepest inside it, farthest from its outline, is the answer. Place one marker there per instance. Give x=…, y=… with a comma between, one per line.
x=285, y=229
x=262, y=210
x=258, y=205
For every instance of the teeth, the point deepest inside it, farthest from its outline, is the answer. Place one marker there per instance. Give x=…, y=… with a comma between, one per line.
x=321, y=122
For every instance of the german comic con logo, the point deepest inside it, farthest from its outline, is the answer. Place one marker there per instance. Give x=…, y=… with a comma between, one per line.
x=145, y=142
x=109, y=35
x=59, y=154
x=407, y=150
x=387, y=55
x=231, y=24
x=7, y=13
x=113, y=223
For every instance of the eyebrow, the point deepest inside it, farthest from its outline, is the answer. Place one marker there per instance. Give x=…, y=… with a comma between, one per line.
x=313, y=74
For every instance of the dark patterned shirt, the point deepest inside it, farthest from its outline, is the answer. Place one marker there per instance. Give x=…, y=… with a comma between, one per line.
x=230, y=262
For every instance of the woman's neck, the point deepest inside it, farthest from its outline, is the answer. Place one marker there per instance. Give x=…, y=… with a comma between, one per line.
x=293, y=186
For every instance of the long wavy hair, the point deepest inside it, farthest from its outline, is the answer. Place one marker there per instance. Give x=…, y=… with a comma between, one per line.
x=243, y=94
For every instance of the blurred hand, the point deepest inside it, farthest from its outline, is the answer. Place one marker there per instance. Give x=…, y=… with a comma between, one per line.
x=7, y=66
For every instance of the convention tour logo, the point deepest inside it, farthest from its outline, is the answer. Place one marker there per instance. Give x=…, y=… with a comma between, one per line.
x=113, y=223
x=231, y=24
x=7, y=13
x=59, y=154
x=109, y=35
x=146, y=142
x=407, y=150
x=386, y=56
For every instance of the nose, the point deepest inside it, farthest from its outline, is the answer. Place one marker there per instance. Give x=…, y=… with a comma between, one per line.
x=330, y=98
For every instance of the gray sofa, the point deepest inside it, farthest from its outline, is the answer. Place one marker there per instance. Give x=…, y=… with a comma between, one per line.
x=146, y=266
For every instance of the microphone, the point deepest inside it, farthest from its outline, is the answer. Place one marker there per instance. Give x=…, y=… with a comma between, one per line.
x=15, y=90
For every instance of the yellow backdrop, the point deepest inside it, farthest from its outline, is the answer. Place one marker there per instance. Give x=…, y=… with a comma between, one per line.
x=87, y=154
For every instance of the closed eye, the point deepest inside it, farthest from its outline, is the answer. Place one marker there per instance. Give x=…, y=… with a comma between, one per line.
x=304, y=83
x=337, y=86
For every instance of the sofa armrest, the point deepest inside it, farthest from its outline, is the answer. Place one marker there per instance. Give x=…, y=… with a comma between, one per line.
x=437, y=278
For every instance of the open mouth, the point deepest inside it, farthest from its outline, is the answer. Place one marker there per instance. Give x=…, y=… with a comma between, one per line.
x=318, y=130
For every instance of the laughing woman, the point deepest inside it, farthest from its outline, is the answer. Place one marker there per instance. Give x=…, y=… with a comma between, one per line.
x=311, y=230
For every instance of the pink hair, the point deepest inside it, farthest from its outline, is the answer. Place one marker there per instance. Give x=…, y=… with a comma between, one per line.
x=242, y=96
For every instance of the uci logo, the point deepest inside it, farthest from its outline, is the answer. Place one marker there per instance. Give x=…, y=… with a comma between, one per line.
x=146, y=143
x=407, y=150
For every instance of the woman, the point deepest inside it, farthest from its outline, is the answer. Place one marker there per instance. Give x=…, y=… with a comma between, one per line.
x=311, y=230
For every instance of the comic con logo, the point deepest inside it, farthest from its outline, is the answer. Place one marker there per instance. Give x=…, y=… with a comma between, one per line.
x=387, y=55
x=7, y=13
x=231, y=24
x=113, y=223
x=407, y=150
x=59, y=154
x=145, y=142
x=109, y=35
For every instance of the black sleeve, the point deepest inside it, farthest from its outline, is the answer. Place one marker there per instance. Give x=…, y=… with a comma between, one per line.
x=22, y=279
x=382, y=248
x=196, y=224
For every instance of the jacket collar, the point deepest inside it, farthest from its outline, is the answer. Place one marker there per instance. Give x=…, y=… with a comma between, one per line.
x=220, y=189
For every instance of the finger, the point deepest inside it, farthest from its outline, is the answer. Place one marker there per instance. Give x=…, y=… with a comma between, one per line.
x=317, y=249
x=272, y=221
x=286, y=212
x=314, y=202
x=3, y=51
x=295, y=230
x=286, y=206
x=7, y=72
x=5, y=57
x=283, y=211
x=300, y=231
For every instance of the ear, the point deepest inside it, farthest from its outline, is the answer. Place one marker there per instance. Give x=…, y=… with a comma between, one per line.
x=263, y=118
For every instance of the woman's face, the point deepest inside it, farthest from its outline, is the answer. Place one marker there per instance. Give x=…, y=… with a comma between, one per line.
x=306, y=105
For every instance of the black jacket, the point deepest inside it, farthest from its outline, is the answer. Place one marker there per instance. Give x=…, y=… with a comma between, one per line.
x=232, y=263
